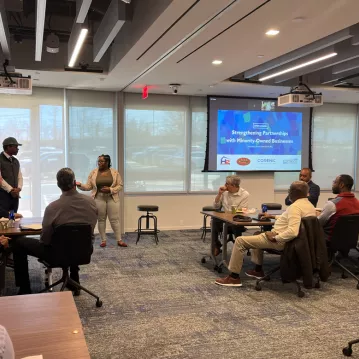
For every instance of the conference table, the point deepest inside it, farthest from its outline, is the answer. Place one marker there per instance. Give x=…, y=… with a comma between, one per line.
x=44, y=324
x=227, y=219
x=17, y=231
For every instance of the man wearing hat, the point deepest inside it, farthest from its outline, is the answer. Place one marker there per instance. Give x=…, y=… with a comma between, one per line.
x=11, y=175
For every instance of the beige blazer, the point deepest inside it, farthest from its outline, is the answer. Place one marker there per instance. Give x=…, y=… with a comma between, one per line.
x=115, y=188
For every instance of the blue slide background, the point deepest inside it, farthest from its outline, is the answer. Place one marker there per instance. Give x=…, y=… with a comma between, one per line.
x=290, y=122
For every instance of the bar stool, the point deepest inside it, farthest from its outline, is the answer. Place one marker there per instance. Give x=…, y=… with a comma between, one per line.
x=204, y=227
x=153, y=231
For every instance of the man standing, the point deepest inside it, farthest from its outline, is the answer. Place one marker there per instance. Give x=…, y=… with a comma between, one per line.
x=71, y=207
x=229, y=195
x=285, y=229
x=314, y=190
x=343, y=204
x=11, y=174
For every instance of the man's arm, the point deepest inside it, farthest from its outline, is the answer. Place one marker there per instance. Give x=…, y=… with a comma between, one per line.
x=328, y=210
x=245, y=200
x=314, y=192
x=5, y=186
x=292, y=231
x=218, y=201
x=47, y=226
x=288, y=202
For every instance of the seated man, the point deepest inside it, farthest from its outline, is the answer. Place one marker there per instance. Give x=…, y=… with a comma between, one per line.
x=343, y=204
x=314, y=190
x=71, y=207
x=284, y=230
x=229, y=195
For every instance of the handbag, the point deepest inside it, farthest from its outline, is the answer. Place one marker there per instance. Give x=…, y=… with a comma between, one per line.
x=240, y=218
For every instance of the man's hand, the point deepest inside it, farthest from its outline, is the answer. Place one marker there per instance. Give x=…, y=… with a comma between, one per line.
x=270, y=236
x=266, y=215
x=4, y=241
x=18, y=215
x=78, y=184
x=105, y=189
x=222, y=189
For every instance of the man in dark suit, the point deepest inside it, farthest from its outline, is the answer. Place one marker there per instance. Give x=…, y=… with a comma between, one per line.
x=314, y=190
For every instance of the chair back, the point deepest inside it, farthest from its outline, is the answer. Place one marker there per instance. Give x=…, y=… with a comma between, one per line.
x=71, y=244
x=273, y=206
x=345, y=233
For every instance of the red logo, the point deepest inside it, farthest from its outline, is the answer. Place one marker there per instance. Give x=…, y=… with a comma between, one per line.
x=243, y=161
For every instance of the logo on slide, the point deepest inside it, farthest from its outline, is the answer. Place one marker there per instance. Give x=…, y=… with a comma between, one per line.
x=225, y=161
x=292, y=161
x=243, y=161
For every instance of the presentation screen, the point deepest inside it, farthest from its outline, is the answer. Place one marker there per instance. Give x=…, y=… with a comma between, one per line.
x=256, y=135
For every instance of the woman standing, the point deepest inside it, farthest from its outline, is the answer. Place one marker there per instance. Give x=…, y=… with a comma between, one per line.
x=105, y=184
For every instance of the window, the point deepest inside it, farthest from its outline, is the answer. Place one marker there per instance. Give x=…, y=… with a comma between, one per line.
x=334, y=145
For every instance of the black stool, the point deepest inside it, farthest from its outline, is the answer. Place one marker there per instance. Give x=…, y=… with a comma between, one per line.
x=147, y=230
x=204, y=228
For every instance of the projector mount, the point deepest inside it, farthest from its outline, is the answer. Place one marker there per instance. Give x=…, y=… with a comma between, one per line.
x=303, y=89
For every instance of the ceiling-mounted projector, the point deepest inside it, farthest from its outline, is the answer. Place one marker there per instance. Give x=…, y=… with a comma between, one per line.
x=300, y=96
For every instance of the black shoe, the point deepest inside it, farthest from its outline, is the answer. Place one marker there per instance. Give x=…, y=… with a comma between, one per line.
x=23, y=291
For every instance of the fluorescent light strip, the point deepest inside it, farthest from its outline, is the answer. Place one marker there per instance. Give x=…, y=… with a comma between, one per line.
x=299, y=66
x=78, y=46
x=82, y=8
x=4, y=38
x=40, y=24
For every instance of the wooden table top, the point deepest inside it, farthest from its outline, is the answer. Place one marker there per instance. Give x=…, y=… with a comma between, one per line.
x=228, y=217
x=16, y=231
x=44, y=324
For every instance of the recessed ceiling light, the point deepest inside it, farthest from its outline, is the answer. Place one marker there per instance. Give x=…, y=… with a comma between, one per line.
x=217, y=62
x=260, y=56
x=211, y=85
x=298, y=19
x=272, y=32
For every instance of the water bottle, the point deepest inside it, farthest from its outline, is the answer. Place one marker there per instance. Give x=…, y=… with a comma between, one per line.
x=11, y=223
x=264, y=208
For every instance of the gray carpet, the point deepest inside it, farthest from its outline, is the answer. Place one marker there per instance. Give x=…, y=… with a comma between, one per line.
x=161, y=302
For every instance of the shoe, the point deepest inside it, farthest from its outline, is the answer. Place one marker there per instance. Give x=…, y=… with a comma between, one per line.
x=217, y=251
x=254, y=274
x=121, y=244
x=229, y=281
x=103, y=244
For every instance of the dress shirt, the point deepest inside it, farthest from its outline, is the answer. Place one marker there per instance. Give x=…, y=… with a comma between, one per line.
x=288, y=223
x=4, y=185
x=313, y=196
x=228, y=199
x=71, y=207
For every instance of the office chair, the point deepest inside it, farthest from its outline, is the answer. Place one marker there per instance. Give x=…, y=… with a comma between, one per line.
x=306, y=222
x=344, y=238
x=273, y=206
x=71, y=245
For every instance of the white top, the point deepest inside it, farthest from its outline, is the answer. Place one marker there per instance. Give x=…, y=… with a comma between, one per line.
x=6, y=347
x=287, y=225
x=228, y=199
x=5, y=186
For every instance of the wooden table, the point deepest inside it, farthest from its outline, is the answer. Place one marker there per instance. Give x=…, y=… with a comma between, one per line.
x=16, y=231
x=44, y=324
x=227, y=219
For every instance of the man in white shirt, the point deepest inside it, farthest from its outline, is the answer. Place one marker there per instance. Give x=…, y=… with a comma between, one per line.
x=229, y=195
x=285, y=229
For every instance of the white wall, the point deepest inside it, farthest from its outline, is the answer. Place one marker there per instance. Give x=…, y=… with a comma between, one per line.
x=182, y=211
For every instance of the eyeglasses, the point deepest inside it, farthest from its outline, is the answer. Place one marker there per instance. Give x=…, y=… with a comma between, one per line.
x=100, y=161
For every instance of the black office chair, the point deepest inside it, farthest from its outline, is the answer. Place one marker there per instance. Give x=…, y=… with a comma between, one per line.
x=71, y=245
x=343, y=239
x=273, y=206
x=306, y=222
x=204, y=227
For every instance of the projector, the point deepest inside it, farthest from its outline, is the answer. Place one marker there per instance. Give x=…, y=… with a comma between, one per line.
x=18, y=85
x=300, y=100
x=300, y=96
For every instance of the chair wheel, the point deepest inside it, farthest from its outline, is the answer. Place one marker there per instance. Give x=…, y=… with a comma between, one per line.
x=99, y=303
x=301, y=294
x=258, y=287
x=317, y=285
x=203, y=260
x=347, y=351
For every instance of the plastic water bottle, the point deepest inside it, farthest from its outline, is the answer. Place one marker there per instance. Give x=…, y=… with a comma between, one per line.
x=11, y=223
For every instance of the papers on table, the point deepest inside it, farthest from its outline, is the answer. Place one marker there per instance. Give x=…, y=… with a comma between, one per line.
x=34, y=357
x=31, y=227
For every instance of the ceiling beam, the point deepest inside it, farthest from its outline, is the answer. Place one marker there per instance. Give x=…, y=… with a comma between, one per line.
x=82, y=8
x=346, y=66
x=299, y=53
x=40, y=25
x=116, y=15
x=4, y=32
